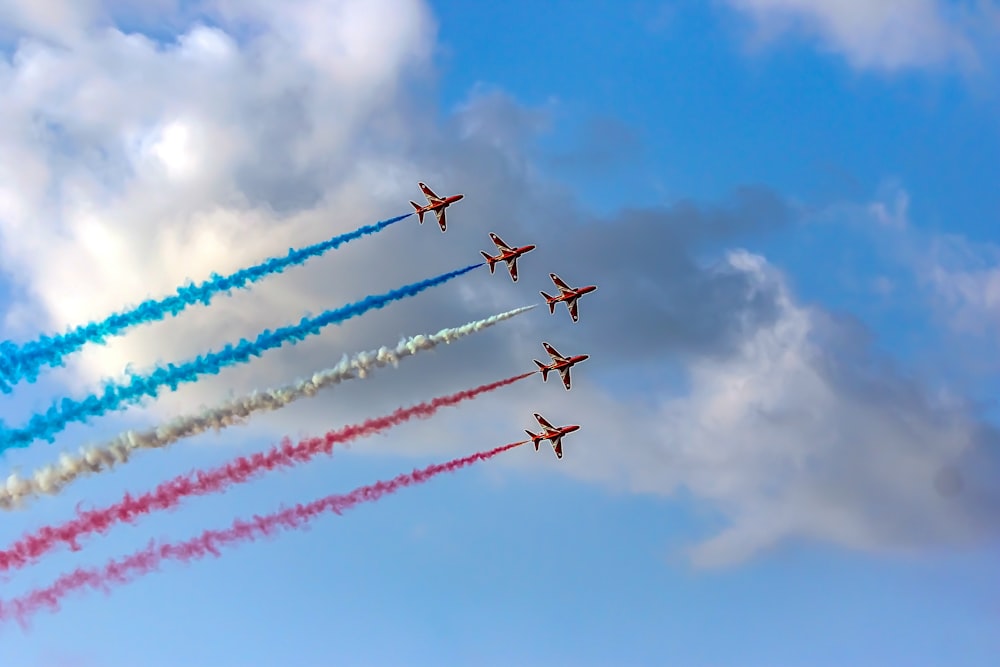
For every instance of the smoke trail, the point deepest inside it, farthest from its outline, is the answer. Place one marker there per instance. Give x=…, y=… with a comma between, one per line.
x=242, y=469
x=61, y=413
x=53, y=478
x=209, y=543
x=23, y=362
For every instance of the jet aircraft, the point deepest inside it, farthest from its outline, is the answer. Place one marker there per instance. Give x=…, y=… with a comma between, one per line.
x=507, y=254
x=551, y=433
x=567, y=294
x=435, y=204
x=559, y=363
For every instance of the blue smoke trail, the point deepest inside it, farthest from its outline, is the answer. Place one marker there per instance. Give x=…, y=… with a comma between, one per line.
x=23, y=362
x=46, y=425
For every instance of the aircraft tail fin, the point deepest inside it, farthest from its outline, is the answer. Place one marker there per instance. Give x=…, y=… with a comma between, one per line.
x=535, y=438
x=420, y=212
x=543, y=368
x=492, y=261
x=548, y=300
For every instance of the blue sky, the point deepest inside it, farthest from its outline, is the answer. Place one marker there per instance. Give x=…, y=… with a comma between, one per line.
x=790, y=214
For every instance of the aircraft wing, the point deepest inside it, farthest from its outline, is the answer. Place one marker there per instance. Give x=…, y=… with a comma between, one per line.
x=512, y=266
x=564, y=372
x=557, y=446
x=574, y=311
x=563, y=287
x=442, y=220
x=499, y=242
x=553, y=353
x=543, y=423
x=431, y=197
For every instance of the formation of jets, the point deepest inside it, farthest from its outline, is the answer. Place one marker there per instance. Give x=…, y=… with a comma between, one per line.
x=568, y=295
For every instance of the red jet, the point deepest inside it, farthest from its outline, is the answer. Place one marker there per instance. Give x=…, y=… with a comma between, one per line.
x=567, y=294
x=551, y=433
x=436, y=204
x=507, y=254
x=559, y=363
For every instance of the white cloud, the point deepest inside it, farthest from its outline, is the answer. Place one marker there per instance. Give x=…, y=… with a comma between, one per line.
x=128, y=165
x=61, y=20
x=803, y=433
x=965, y=277
x=959, y=276
x=876, y=34
x=895, y=214
x=126, y=158
x=796, y=437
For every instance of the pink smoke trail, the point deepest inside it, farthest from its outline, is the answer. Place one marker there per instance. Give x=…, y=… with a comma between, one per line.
x=242, y=469
x=125, y=570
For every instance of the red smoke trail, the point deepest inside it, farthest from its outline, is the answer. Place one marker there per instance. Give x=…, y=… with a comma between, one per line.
x=149, y=559
x=237, y=471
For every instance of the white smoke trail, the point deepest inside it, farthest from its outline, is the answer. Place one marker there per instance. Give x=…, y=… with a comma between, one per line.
x=53, y=478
